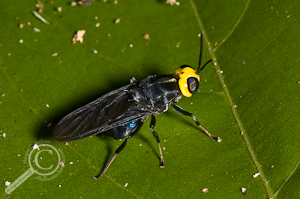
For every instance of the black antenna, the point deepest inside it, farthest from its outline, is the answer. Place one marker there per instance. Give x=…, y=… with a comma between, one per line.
x=204, y=66
x=200, y=57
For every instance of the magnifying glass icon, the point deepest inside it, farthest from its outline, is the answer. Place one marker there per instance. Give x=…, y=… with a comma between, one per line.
x=31, y=170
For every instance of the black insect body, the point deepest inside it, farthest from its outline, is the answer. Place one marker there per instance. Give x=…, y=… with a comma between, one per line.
x=121, y=113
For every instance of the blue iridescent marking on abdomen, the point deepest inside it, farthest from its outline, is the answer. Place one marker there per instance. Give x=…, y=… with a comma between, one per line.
x=132, y=124
x=124, y=130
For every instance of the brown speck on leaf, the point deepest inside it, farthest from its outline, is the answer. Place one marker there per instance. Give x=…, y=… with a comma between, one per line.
x=171, y=2
x=256, y=175
x=7, y=183
x=146, y=36
x=66, y=144
x=108, y=34
x=117, y=21
x=21, y=25
x=40, y=6
x=78, y=36
x=243, y=62
x=272, y=166
x=234, y=106
x=244, y=191
x=85, y=2
x=215, y=44
x=204, y=190
x=288, y=16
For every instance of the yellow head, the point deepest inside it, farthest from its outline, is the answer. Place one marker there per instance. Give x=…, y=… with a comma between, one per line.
x=188, y=80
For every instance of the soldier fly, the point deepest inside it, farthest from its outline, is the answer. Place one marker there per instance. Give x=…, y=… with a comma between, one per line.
x=121, y=112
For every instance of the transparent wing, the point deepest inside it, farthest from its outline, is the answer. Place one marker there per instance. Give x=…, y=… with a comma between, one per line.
x=109, y=111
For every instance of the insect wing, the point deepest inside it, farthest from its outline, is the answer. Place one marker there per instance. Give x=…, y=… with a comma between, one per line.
x=109, y=111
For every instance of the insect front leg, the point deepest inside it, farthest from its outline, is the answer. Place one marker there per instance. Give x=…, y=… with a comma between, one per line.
x=183, y=112
x=118, y=151
x=152, y=124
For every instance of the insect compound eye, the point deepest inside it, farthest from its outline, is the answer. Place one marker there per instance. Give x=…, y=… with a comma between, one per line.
x=193, y=84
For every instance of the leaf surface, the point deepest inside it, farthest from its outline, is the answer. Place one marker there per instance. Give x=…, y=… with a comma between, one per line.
x=251, y=89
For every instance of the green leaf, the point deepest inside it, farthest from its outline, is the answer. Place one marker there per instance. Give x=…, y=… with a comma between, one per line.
x=249, y=97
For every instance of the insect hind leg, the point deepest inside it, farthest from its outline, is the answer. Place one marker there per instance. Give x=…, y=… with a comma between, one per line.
x=183, y=112
x=152, y=124
x=139, y=125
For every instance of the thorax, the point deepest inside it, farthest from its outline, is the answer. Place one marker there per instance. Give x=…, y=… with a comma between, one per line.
x=157, y=93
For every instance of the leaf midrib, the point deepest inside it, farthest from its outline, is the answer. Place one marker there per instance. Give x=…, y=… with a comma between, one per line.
x=223, y=85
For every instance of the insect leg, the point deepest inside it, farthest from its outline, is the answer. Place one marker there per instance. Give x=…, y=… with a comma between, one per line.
x=183, y=112
x=152, y=124
x=118, y=151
